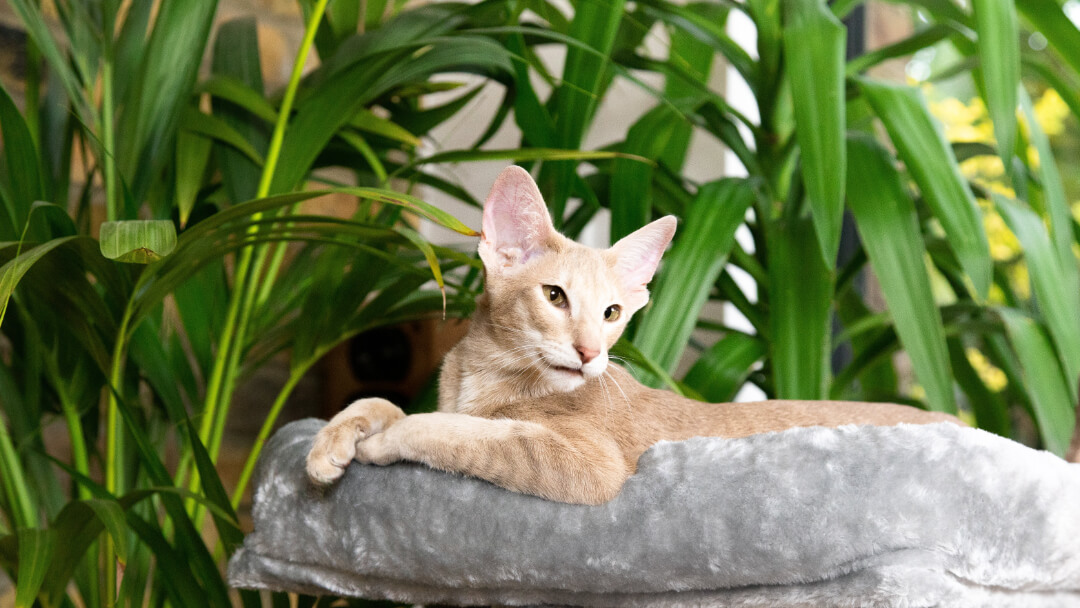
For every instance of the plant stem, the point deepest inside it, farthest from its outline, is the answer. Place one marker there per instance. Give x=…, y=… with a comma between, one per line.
x=221, y=384
x=114, y=447
x=79, y=456
x=108, y=140
x=249, y=466
x=18, y=493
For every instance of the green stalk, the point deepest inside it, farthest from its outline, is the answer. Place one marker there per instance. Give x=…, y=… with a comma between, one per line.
x=267, y=426
x=79, y=455
x=221, y=383
x=108, y=140
x=115, y=482
x=14, y=483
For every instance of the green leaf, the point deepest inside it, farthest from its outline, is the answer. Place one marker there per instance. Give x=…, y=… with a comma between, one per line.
x=137, y=241
x=525, y=154
x=215, y=493
x=112, y=516
x=722, y=369
x=923, y=38
x=999, y=54
x=814, y=44
x=1050, y=394
x=237, y=87
x=1053, y=194
x=1059, y=301
x=192, y=154
x=36, y=548
x=425, y=247
x=888, y=225
x=626, y=352
x=800, y=301
x=160, y=92
x=367, y=121
x=595, y=25
x=1049, y=18
x=212, y=127
x=19, y=168
x=631, y=181
x=691, y=268
x=932, y=164
x=338, y=98
x=12, y=272
x=237, y=92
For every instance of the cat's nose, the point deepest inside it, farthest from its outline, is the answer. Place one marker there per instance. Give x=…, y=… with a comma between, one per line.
x=587, y=354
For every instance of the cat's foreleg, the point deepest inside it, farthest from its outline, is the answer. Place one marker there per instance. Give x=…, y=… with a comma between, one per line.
x=519, y=455
x=335, y=444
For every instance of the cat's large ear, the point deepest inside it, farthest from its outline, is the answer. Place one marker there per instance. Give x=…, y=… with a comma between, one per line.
x=638, y=254
x=516, y=224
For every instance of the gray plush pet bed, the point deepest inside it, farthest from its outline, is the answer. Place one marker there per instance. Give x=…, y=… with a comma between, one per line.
x=857, y=516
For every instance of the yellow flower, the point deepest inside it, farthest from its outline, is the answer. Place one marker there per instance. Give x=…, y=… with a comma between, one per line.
x=1002, y=189
x=1003, y=243
x=917, y=392
x=963, y=122
x=1020, y=280
x=997, y=295
x=1076, y=210
x=992, y=376
x=985, y=166
x=1051, y=112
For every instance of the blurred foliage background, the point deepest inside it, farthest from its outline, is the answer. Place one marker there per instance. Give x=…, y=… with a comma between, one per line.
x=158, y=242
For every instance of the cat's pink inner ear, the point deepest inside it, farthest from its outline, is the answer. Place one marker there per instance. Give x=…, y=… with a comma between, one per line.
x=638, y=254
x=516, y=224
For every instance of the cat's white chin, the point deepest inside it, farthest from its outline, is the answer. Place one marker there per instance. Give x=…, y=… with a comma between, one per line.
x=564, y=380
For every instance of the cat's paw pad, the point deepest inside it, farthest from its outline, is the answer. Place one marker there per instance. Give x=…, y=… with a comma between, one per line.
x=333, y=449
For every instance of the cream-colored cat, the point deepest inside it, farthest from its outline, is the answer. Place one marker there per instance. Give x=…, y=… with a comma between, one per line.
x=527, y=399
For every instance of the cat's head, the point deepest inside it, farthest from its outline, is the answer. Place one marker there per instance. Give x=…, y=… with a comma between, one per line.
x=557, y=306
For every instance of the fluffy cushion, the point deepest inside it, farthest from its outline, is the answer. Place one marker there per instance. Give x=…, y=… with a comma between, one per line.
x=855, y=516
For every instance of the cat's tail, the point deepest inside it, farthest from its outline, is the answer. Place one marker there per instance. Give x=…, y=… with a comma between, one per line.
x=1073, y=454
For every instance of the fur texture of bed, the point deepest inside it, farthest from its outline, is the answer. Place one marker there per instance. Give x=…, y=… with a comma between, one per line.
x=934, y=515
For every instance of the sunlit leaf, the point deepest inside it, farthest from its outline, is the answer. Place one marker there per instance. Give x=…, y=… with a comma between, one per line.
x=36, y=547
x=888, y=225
x=999, y=56
x=814, y=43
x=137, y=241
x=691, y=268
x=932, y=164
x=1043, y=379
x=720, y=371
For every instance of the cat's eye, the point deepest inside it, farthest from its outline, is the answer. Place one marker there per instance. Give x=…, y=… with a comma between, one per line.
x=555, y=295
x=611, y=313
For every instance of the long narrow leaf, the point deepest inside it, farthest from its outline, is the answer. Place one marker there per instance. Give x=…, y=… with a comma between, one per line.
x=649, y=137
x=595, y=24
x=999, y=56
x=720, y=371
x=19, y=168
x=814, y=43
x=1050, y=394
x=888, y=224
x=800, y=301
x=932, y=164
x=36, y=547
x=691, y=269
x=1059, y=304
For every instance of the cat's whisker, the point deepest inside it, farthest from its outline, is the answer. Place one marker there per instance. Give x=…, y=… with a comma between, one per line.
x=629, y=406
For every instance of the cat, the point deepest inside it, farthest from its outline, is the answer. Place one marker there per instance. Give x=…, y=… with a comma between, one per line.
x=528, y=399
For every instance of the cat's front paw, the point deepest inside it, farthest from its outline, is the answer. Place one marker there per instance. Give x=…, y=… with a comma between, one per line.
x=334, y=448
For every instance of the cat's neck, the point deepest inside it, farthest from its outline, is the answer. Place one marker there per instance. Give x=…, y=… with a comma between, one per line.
x=482, y=374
